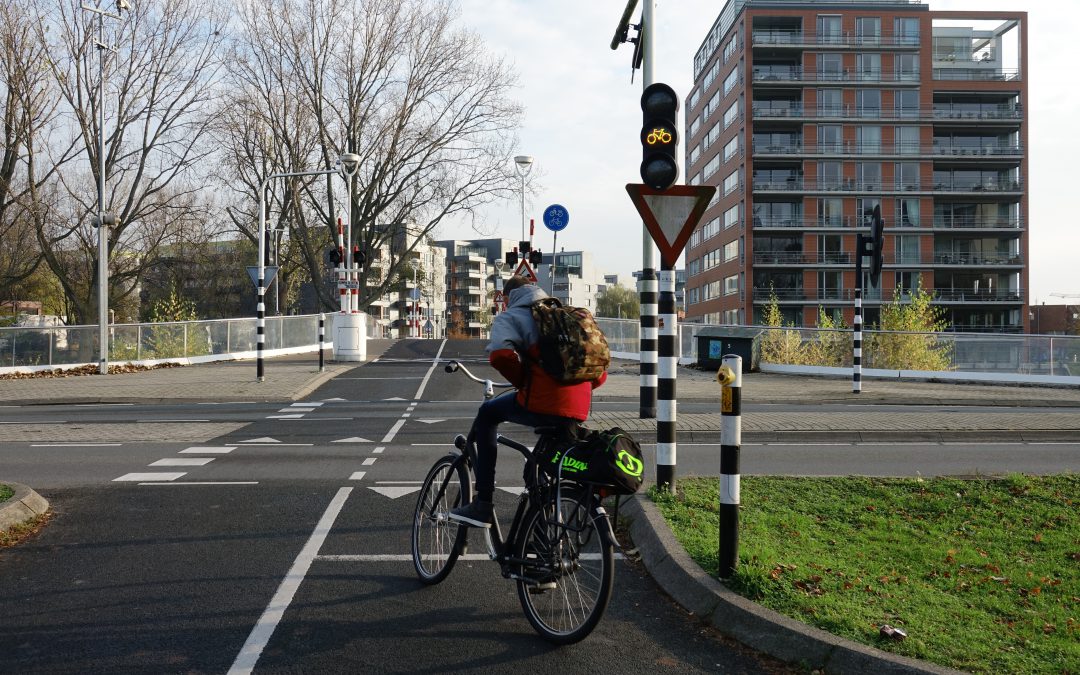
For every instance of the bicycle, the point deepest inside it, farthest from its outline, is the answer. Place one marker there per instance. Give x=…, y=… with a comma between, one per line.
x=559, y=548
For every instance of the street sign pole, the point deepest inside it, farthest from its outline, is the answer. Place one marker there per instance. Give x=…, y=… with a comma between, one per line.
x=647, y=283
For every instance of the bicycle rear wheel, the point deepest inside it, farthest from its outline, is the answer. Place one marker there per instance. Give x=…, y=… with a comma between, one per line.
x=436, y=540
x=571, y=568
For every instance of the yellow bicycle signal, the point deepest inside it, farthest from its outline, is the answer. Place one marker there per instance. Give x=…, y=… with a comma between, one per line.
x=659, y=135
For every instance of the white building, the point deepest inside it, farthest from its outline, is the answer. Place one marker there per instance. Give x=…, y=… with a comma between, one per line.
x=577, y=281
x=401, y=311
x=470, y=267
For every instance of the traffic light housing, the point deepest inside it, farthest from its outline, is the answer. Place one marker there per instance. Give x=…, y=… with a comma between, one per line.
x=511, y=258
x=334, y=256
x=877, y=240
x=535, y=258
x=358, y=256
x=524, y=247
x=659, y=136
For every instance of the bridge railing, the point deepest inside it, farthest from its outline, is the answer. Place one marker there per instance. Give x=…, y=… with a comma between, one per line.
x=43, y=348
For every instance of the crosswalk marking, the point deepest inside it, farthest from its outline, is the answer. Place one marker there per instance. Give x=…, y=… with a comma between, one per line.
x=369, y=461
x=147, y=476
x=208, y=450
x=393, y=492
x=357, y=475
x=183, y=461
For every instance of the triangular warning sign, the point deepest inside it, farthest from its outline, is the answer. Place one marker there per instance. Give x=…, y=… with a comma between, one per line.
x=526, y=270
x=671, y=215
x=270, y=271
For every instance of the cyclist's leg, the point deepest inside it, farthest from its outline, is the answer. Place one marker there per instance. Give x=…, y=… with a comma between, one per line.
x=491, y=414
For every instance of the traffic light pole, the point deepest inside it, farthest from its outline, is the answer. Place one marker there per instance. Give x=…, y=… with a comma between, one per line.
x=861, y=243
x=647, y=284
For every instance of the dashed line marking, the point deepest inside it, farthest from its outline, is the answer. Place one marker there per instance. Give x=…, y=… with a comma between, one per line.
x=368, y=461
x=147, y=476
x=208, y=482
x=208, y=450
x=74, y=445
x=183, y=461
x=406, y=415
x=357, y=475
x=378, y=450
x=393, y=431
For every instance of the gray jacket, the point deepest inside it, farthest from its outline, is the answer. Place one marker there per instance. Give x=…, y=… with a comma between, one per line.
x=515, y=328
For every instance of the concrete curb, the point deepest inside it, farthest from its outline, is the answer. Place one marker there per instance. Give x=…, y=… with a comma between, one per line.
x=21, y=506
x=749, y=623
x=807, y=436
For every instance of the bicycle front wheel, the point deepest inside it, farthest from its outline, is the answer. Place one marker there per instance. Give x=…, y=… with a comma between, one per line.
x=570, y=568
x=436, y=540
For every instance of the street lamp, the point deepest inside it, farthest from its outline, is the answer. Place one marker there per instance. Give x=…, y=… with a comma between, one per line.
x=415, y=263
x=102, y=222
x=523, y=164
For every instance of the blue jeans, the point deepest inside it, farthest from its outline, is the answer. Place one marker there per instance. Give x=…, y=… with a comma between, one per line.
x=492, y=413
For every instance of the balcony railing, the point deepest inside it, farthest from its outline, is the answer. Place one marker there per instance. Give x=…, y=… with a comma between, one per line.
x=889, y=149
x=799, y=222
x=969, y=222
x=798, y=74
x=762, y=295
x=971, y=295
x=800, y=38
x=852, y=185
x=977, y=74
x=980, y=111
x=967, y=259
x=802, y=258
x=966, y=111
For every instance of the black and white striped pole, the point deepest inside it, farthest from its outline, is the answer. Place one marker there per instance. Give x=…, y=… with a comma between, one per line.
x=730, y=378
x=322, y=341
x=647, y=287
x=666, y=404
x=865, y=246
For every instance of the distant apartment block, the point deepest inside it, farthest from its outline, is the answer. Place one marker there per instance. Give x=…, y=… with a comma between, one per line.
x=808, y=115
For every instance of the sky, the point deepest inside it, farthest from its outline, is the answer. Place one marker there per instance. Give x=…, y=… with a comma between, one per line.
x=582, y=119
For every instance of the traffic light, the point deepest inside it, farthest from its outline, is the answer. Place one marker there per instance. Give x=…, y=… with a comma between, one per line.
x=659, y=136
x=877, y=240
x=511, y=258
x=268, y=248
x=524, y=247
x=358, y=256
x=535, y=258
x=334, y=256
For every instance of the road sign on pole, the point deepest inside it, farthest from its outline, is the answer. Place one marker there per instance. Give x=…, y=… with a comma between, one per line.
x=556, y=217
x=525, y=270
x=671, y=215
x=253, y=272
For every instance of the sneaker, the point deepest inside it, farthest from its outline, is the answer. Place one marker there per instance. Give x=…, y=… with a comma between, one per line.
x=476, y=514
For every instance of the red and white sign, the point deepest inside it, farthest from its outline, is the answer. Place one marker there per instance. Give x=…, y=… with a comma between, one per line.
x=526, y=270
x=671, y=215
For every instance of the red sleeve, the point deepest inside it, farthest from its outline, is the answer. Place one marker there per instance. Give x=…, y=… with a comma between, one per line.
x=600, y=380
x=506, y=361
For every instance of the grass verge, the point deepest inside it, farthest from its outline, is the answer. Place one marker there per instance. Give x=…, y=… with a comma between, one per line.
x=983, y=575
x=5, y=492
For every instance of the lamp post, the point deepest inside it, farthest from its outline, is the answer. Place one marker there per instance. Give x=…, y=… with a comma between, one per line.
x=415, y=263
x=102, y=221
x=523, y=163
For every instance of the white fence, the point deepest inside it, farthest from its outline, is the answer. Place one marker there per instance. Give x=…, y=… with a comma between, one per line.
x=26, y=349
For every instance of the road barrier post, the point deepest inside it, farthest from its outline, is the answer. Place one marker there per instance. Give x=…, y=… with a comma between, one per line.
x=322, y=341
x=730, y=378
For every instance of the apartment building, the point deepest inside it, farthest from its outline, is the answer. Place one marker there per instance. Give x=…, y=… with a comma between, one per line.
x=808, y=115
x=576, y=278
x=470, y=281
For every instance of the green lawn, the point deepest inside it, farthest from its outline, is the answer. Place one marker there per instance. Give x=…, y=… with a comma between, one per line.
x=983, y=575
x=5, y=492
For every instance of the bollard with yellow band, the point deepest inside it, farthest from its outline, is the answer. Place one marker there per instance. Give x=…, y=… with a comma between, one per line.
x=730, y=378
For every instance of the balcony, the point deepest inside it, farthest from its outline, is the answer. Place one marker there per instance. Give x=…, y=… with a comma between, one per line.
x=801, y=258
x=762, y=296
x=796, y=74
x=973, y=223
x=977, y=74
x=1008, y=150
x=799, y=223
x=1006, y=295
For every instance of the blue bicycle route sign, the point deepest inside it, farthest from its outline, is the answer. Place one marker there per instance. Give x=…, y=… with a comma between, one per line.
x=556, y=217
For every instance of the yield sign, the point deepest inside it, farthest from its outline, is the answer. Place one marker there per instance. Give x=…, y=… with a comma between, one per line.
x=270, y=271
x=671, y=215
x=528, y=270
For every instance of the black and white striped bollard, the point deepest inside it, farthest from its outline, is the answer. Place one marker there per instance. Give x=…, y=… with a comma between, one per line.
x=730, y=378
x=856, y=357
x=665, y=389
x=322, y=341
x=260, y=327
x=647, y=346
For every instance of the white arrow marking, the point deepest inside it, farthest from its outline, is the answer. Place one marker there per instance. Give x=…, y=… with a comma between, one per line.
x=512, y=490
x=264, y=439
x=395, y=492
x=430, y=421
x=354, y=439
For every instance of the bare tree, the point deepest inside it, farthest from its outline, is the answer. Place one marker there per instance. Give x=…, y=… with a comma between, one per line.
x=395, y=81
x=161, y=86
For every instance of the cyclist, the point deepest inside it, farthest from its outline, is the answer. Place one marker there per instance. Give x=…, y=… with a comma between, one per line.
x=540, y=400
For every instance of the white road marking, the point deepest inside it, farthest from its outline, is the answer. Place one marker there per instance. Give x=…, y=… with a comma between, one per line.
x=393, y=431
x=357, y=475
x=271, y=616
x=301, y=418
x=434, y=364
x=145, y=476
x=279, y=444
x=512, y=490
x=208, y=450
x=99, y=405
x=368, y=461
x=395, y=398
x=208, y=482
x=73, y=445
x=263, y=439
x=306, y=405
x=46, y=422
x=183, y=461
x=293, y=410
x=284, y=417
x=352, y=439
x=404, y=415
x=395, y=492
x=431, y=421
x=410, y=377
x=327, y=400
x=378, y=450
x=399, y=482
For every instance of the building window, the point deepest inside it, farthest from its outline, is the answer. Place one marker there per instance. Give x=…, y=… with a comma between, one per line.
x=731, y=316
x=828, y=28
x=711, y=229
x=711, y=166
x=730, y=47
x=906, y=102
x=694, y=97
x=830, y=212
x=694, y=126
x=907, y=67
x=712, y=105
x=731, y=284
x=731, y=148
x=868, y=139
x=868, y=30
x=830, y=175
x=868, y=102
x=907, y=281
x=731, y=251
x=907, y=213
x=868, y=67
x=731, y=114
x=712, y=135
x=907, y=140
x=694, y=154
x=731, y=217
x=731, y=80
x=731, y=183
x=907, y=176
x=830, y=67
x=906, y=30
x=907, y=249
x=830, y=102
x=830, y=137
x=868, y=175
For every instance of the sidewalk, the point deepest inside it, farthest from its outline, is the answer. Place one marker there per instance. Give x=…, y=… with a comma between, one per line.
x=292, y=378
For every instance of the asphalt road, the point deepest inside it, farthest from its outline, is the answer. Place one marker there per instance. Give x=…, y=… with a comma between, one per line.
x=281, y=545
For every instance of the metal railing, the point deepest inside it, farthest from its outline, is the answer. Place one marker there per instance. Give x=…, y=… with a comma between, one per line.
x=995, y=352
x=800, y=38
x=795, y=147
x=217, y=339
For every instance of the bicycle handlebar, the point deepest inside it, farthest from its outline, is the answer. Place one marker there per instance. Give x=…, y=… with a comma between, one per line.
x=489, y=386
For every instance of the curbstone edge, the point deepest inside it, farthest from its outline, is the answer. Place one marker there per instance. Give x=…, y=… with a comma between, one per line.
x=21, y=506
x=748, y=622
